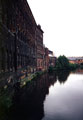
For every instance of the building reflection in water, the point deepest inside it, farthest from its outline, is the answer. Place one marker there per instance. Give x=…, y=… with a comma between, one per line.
x=28, y=101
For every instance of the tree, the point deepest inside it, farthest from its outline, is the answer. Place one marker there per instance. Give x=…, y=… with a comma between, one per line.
x=62, y=63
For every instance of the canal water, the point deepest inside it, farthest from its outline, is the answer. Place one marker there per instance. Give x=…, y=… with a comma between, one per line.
x=57, y=96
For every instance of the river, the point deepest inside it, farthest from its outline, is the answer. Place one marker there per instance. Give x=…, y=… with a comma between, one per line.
x=57, y=96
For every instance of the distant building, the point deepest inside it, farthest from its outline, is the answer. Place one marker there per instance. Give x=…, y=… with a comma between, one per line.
x=52, y=61
x=46, y=58
x=50, y=52
x=40, y=50
x=75, y=60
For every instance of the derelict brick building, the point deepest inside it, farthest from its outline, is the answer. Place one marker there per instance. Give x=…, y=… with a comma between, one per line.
x=17, y=35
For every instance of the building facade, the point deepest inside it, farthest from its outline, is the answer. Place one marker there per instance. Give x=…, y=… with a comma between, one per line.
x=40, y=50
x=52, y=61
x=76, y=60
x=21, y=39
x=46, y=58
x=17, y=36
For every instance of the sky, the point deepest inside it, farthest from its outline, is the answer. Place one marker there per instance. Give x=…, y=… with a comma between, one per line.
x=62, y=23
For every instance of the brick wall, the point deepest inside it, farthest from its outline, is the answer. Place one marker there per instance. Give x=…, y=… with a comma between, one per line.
x=17, y=35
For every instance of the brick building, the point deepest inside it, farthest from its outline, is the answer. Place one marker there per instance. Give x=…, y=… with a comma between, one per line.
x=75, y=60
x=46, y=58
x=52, y=61
x=17, y=36
x=40, y=51
x=21, y=39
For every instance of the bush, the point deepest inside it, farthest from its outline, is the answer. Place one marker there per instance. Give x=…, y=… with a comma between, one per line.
x=50, y=70
x=81, y=66
x=73, y=66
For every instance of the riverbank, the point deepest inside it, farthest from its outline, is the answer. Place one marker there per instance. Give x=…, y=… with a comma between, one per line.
x=22, y=77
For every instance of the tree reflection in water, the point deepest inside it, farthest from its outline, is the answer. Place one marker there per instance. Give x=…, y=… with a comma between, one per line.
x=62, y=76
x=28, y=101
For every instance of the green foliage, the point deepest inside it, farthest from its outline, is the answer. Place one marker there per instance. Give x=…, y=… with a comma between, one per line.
x=39, y=73
x=5, y=102
x=50, y=69
x=81, y=66
x=73, y=66
x=62, y=63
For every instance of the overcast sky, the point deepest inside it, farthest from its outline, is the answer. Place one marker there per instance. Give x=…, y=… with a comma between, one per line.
x=62, y=23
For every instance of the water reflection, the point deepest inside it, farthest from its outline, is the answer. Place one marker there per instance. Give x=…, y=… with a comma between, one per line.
x=62, y=76
x=78, y=71
x=65, y=101
x=27, y=102
x=34, y=101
